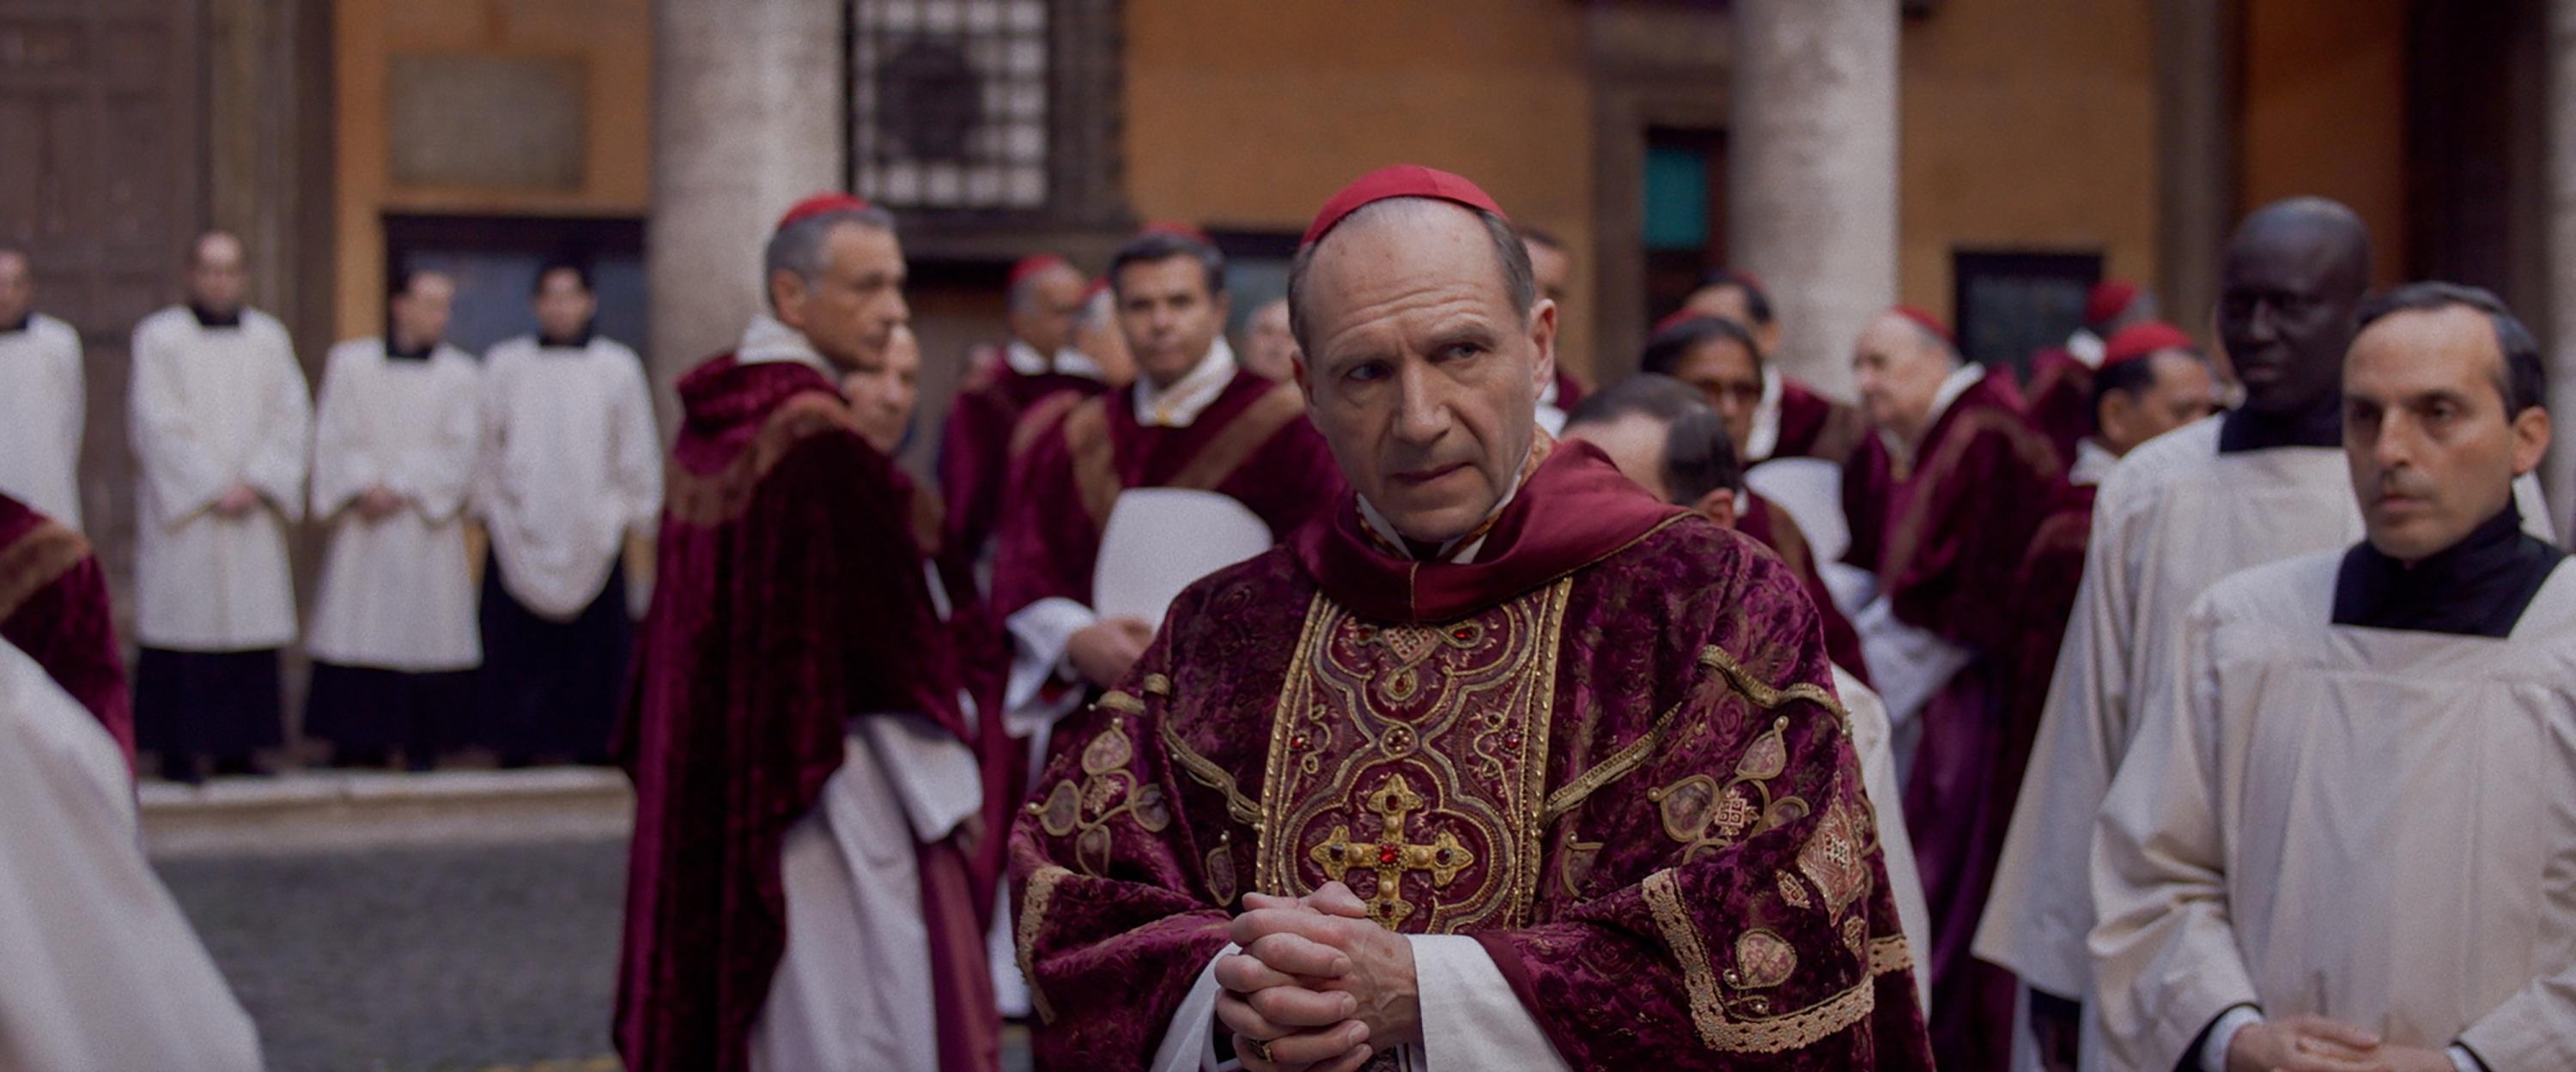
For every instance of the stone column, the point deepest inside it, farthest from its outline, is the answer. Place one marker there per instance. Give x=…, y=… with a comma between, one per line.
x=1811, y=157
x=747, y=118
x=2195, y=142
x=2558, y=473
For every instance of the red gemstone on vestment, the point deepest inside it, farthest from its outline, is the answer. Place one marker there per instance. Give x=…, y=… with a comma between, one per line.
x=1386, y=854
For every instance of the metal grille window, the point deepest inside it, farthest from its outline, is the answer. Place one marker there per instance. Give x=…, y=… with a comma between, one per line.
x=950, y=103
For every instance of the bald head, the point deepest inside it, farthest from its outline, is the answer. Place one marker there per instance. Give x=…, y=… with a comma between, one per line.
x=1042, y=304
x=1897, y=368
x=2293, y=281
x=17, y=287
x=216, y=276
x=1424, y=350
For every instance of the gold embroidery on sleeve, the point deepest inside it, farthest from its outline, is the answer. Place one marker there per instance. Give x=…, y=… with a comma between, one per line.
x=1620, y=764
x=1776, y=1034
x=1762, y=693
x=1124, y=704
x=1156, y=685
x=1205, y=772
x=1033, y=909
x=1890, y=953
x=1626, y=760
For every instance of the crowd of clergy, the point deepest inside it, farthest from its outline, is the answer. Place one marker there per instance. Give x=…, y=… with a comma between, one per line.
x=544, y=448
x=2154, y=707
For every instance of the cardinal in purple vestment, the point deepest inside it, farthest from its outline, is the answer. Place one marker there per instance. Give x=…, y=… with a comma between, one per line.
x=1968, y=479
x=1040, y=371
x=1194, y=420
x=791, y=604
x=1501, y=762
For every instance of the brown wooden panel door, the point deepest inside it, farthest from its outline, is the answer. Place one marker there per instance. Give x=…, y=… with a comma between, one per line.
x=102, y=137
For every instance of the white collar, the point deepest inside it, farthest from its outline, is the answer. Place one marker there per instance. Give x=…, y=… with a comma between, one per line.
x=1765, y=436
x=2093, y=461
x=1179, y=405
x=1027, y=361
x=1456, y=552
x=2085, y=347
x=1957, y=384
x=767, y=340
x=1966, y=377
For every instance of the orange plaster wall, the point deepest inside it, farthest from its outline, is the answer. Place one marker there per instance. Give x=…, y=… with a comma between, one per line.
x=2027, y=125
x=612, y=39
x=2324, y=112
x=1246, y=116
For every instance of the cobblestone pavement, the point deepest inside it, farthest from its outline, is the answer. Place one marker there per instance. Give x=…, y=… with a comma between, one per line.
x=472, y=958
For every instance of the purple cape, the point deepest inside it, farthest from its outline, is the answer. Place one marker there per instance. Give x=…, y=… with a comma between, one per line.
x=788, y=598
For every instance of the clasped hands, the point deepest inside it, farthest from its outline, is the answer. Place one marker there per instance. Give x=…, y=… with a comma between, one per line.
x=1318, y=987
x=2317, y=1044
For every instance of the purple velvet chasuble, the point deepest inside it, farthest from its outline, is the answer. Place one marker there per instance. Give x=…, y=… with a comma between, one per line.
x=1608, y=749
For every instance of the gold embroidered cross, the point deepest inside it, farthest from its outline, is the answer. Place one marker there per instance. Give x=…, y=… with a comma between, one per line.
x=1390, y=857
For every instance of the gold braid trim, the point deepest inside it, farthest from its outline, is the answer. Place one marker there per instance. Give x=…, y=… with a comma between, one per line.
x=1626, y=760
x=1205, y=772
x=1762, y=693
x=1778, y=1034
x=1664, y=895
x=1889, y=953
x=1620, y=764
x=36, y=560
x=1033, y=907
x=1114, y=700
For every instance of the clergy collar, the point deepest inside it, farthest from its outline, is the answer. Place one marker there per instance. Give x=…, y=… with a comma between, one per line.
x=2093, y=463
x=24, y=321
x=1180, y=404
x=767, y=340
x=1967, y=375
x=1765, y=436
x=1573, y=510
x=415, y=353
x=2086, y=348
x=2479, y=586
x=579, y=340
x=2320, y=425
x=1462, y=550
x=1025, y=359
x=208, y=318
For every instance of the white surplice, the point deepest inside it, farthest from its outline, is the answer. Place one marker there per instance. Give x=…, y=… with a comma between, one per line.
x=209, y=408
x=2172, y=518
x=1875, y=742
x=103, y=973
x=571, y=466
x=2373, y=825
x=853, y=987
x=43, y=408
x=396, y=593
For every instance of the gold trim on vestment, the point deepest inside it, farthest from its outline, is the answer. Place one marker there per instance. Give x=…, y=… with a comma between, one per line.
x=1095, y=469
x=721, y=496
x=1621, y=763
x=1474, y=738
x=1626, y=760
x=1033, y=909
x=36, y=560
x=1889, y=953
x=1040, y=416
x=1778, y=1034
x=1234, y=444
x=1763, y=694
x=1204, y=771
